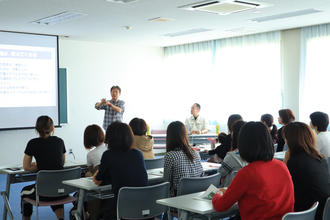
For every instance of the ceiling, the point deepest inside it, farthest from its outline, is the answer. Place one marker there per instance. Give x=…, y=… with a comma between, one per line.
x=107, y=21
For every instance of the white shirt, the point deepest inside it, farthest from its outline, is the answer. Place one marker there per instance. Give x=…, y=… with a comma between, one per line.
x=323, y=143
x=94, y=156
x=198, y=124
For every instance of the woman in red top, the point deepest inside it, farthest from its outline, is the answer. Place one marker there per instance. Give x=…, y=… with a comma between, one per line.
x=263, y=188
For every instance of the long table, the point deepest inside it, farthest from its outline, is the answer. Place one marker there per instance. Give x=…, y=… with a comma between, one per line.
x=87, y=185
x=194, y=139
x=191, y=203
x=16, y=174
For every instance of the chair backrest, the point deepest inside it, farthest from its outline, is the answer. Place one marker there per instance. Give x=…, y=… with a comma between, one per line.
x=154, y=163
x=326, y=211
x=189, y=185
x=49, y=182
x=304, y=215
x=140, y=202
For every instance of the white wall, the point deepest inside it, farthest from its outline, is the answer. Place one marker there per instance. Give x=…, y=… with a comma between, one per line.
x=290, y=55
x=92, y=68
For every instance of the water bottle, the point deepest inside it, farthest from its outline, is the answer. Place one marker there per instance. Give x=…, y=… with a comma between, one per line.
x=217, y=129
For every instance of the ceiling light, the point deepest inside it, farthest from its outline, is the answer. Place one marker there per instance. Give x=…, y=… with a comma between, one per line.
x=224, y=7
x=191, y=31
x=59, y=18
x=286, y=15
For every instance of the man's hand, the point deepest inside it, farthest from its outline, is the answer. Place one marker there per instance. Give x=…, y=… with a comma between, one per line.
x=103, y=101
x=108, y=103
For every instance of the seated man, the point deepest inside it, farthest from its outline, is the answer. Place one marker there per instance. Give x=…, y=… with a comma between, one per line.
x=195, y=123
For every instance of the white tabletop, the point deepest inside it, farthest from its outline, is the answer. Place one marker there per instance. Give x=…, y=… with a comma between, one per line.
x=207, y=166
x=18, y=168
x=86, y=183
x=189, y=203
x=280, y=155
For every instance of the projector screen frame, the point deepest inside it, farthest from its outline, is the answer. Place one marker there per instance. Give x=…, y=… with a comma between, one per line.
x=58, y=125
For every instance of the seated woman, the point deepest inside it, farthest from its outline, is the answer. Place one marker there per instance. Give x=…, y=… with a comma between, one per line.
x=49, y=153
x=285, y=117
x=94, y=139
x=120, y=166
x=180, y=159
x=232, y=161
x=308, y=168
x=221, y=150
x=142, y=142
x=263, y=188
x=268, y=120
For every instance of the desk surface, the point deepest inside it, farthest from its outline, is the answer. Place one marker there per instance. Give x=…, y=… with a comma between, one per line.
x=18, y=168
x=280, y=155
x=86, y=183
x=189, y=203
x=190, y=135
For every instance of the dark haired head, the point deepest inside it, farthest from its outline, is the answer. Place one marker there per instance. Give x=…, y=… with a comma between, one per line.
x=268, y=120
x=93, y=136
x=198, y=106
x=320, y=120
x=232, y=119
x=236, y=128
x=300, y=138
x=286, y=116
x=139, y=126
x=119, y=136
x=115, y=87
x=177, y=139
x=44, y=126
x=255, y=142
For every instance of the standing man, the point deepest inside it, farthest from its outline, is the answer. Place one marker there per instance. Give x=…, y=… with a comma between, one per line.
x=195, y=123
x=114, y=108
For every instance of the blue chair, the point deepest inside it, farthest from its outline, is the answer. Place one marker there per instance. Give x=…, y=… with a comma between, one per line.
x=304, y=215
x=140, y=202
x=326, y=211
x=154, y=163
x=49, y=184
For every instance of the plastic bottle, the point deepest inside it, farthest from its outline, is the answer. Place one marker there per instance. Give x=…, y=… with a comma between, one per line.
x=217, y=129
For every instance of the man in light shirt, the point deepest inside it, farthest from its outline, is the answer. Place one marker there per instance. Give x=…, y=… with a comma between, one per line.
x=319, y=123
x=195, y=123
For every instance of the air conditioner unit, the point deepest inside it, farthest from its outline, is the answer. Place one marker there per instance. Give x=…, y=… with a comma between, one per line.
x=224, y=7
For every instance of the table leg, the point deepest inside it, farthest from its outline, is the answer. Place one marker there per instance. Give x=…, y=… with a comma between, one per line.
x=183, y=215
x=9, y=178
x=80, y=207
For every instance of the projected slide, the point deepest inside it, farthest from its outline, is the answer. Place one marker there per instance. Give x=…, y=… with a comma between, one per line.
x=28, y=79
x=27, y=76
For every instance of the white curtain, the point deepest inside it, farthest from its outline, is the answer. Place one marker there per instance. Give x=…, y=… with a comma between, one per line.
x=235, y=75
x=314, y=71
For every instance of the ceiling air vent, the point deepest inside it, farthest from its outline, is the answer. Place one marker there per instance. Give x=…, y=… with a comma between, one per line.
x=224, y=7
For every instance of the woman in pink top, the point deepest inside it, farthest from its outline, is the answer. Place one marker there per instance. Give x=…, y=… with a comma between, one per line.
x=263, y=188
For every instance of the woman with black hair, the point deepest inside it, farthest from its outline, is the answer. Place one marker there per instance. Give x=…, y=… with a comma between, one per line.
x=120, y=166
x=268, y=120
x=49, y=153
x=180, y=159
x=285, y=117
x=263, y=188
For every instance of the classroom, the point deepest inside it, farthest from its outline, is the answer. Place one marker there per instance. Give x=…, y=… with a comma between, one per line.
x=168, y=59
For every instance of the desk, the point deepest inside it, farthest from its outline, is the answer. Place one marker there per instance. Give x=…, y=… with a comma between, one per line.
x=86, y=184
x=189, y=204
x=280, y=155
x=193, y=138
x=160, y=149
x=18, y=175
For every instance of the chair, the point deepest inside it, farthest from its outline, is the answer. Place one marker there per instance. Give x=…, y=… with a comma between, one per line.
x=304, y=215
x=49, y=184
x=326, y=211
x=154, y=163
x=140, y=202
x=190, y=185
